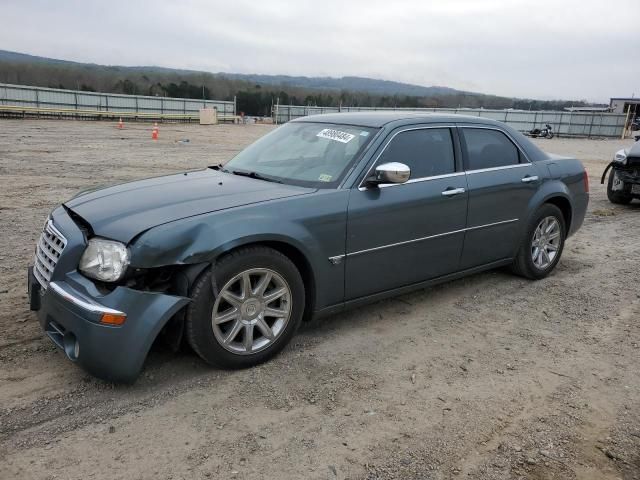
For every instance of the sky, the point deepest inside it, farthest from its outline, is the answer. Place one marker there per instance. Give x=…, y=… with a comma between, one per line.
x=544, y=49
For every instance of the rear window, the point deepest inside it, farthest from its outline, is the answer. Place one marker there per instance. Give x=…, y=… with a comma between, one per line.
x=489, y=149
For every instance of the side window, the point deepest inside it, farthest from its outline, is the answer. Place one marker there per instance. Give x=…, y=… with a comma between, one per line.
x=427, y=152
x=488, y=149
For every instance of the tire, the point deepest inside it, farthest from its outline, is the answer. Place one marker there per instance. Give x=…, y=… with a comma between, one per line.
x=215, y=342
x=550, y=135
x=524, y=263
x=616, y=197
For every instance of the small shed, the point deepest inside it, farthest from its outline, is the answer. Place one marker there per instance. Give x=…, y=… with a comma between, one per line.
x=623, y=105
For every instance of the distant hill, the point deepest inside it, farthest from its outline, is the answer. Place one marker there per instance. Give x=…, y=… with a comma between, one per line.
x=354, y=84
x=255, y=93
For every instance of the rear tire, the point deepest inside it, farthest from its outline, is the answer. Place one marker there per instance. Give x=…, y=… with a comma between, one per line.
x=542, y=244
x=246, y=308
x=615, y=196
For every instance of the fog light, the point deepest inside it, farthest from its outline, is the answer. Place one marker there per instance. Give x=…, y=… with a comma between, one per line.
x=113, y=318
x=71, y=346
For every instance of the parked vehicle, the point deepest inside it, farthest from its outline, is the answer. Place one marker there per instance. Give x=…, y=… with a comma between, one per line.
x=324, y=213
x=546, y=132
x=624, y=180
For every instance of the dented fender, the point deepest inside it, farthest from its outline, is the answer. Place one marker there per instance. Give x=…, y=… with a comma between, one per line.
x=203, y=238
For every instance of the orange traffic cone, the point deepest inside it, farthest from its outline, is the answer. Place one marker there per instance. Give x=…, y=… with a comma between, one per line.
x=154, y=132
x=120, y=124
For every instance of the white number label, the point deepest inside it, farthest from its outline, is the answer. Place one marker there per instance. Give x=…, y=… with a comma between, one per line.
x=336, y=135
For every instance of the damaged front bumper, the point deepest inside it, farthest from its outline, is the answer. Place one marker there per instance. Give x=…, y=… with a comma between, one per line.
x=71, y=318
x=73, y=311
x=627, y=178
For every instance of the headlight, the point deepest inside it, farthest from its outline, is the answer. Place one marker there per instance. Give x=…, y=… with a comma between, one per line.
x=104, y=260
x=620, y=157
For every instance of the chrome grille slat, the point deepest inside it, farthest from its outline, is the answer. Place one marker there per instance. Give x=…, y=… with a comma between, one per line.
x=51, y=244
x=39, y=277
x=48, y=254
x=48, y=251
x=44, y=262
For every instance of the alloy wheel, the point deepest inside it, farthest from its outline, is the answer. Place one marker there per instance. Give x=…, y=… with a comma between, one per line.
x=251, y=311
x=546, y=242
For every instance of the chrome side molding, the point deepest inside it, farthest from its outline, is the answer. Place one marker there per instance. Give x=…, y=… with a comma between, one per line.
x=338, y=258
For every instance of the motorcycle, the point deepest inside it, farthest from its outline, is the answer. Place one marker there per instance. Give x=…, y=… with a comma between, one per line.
x=546, y=132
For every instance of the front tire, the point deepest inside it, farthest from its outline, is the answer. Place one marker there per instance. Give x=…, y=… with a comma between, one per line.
x=615, y=196
x=246, y=308
x=542, y=245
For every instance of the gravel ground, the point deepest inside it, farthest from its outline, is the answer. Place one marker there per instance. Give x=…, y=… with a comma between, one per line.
x=490, y=377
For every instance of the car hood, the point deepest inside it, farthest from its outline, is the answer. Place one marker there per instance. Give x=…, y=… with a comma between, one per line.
x=123, y=211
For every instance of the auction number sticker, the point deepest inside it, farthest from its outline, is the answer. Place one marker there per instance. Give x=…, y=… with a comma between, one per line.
x=336, y=135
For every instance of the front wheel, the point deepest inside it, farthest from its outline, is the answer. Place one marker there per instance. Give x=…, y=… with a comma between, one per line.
x=246, y=308
x=616, y=196
x=542, y=246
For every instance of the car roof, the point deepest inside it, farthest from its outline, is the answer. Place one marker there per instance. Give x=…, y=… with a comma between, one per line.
x=398, y=118
x=379, y=119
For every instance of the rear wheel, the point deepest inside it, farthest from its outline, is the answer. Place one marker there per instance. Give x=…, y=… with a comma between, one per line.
x=616, y=196
x=246, y=308
x=543, y=244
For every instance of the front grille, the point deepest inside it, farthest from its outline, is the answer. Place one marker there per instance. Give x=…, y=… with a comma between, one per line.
x=48, y=251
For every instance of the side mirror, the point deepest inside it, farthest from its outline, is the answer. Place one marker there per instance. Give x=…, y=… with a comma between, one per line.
x=392, y=172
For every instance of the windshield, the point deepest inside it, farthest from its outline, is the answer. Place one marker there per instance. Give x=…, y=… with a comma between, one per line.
x=309, y=154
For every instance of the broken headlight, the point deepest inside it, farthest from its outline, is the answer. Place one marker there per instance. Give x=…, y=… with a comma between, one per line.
x=620, y=157
x=104, y=260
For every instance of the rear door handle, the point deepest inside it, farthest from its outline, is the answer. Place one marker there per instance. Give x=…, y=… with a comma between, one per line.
x=530, y=178
x=452, y=191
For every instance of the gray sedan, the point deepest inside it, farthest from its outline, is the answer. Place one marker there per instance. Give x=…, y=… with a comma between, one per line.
x=324, y=213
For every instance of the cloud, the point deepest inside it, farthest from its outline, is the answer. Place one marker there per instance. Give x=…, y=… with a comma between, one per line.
x=535, y=48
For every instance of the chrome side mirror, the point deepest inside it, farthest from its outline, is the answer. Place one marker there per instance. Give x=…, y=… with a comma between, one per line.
x=392, y=172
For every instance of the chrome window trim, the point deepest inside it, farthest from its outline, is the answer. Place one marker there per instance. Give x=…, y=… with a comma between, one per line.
x=90, y=307
x=488, y=127
x=362, y=187
x=416, y=180
x=338, y=258
x=493, y=169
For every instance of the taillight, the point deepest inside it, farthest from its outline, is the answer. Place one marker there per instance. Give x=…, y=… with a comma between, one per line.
x=585, y=177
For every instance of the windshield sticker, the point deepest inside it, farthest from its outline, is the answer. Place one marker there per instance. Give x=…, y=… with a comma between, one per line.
x=364, y=134
x=325, y=178
x=337, y=135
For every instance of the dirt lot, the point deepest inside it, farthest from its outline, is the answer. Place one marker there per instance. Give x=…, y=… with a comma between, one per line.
x=489, y=377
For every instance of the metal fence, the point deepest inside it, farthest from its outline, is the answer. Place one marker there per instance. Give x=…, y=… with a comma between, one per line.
x=565, y=124
x=52, y=101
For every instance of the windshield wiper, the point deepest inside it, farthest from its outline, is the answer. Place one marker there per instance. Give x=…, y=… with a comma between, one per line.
x=255, y=175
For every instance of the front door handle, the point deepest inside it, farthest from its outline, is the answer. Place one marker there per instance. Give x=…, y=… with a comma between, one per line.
x=530, y=178
x=452, y=191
